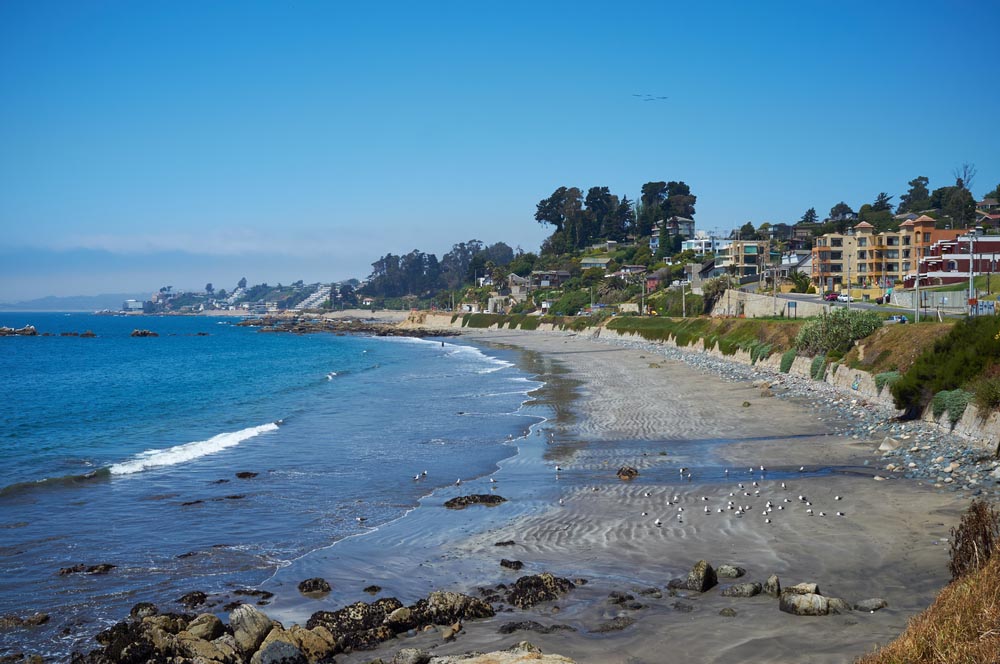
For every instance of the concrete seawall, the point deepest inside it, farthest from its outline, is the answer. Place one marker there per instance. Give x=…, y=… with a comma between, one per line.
x=982, y=433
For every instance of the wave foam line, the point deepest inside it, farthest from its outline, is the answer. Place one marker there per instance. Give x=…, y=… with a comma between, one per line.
x=188, y=451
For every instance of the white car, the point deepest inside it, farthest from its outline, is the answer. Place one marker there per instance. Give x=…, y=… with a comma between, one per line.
x=844, y=297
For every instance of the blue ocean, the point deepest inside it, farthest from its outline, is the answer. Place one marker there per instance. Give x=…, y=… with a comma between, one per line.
x=126, y=451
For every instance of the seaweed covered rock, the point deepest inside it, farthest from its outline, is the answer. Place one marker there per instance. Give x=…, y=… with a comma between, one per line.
x=314, y=585
x=531, y=590
x=488, y=499
x=445, y=608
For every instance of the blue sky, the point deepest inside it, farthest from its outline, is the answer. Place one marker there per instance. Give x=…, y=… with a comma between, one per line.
x=152, y=143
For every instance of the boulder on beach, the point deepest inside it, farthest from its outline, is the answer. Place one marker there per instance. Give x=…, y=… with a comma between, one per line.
x=837, y=606
x=871, y=605
x=803, y=604
x=511, y=564
x=772, y=586
x=729, y=571
x=250, y=627
x=314, y=585
x=531, y=590
x=742, y=590
x=193, y=599
x=888, y=444
x=701, y=577
x=627, y=473
x=488, y=499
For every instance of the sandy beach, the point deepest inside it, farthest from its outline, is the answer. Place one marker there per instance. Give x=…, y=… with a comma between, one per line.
x=612, y=406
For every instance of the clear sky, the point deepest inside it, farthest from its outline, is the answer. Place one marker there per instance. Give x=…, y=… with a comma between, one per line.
x=145, y=144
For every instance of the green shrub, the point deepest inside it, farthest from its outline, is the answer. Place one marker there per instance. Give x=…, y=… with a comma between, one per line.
x=986, y=394
x=787, y=358
x=837, y=331
x=952, y=402
x=888, y=378
x=818, y=367
x=951, y=363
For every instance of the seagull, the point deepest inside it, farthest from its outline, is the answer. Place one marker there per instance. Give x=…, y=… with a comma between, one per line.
x=561, y=502
x=782, y=485
x=645, y=513
x=802, y=469
x=822, y=513
x=657, y=523
x=836, y=498
x=781, y=507
x=726, y=471
x=809, y=512
x=767, y=521
x=647, y=494
x=708, y=510
x=424, y=473
x=840, y=514
x=680, y=509
x=458, y=482
x=683, y=470
x=762, y=469
x=493, y=480
x=362, y=519
x=416, y=477
x=558, y=468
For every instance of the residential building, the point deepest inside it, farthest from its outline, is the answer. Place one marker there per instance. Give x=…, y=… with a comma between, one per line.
x=802, y=235
x=132, y=305
x=742, y=258
x=799, y=260
x=675, y=226
x=948, y=261
x=518, y=287
x=705, y=245
x=834, y=261
x=548, y=278
x=589, y=262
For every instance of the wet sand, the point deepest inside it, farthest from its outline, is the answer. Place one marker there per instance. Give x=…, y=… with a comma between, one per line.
x=611, y=406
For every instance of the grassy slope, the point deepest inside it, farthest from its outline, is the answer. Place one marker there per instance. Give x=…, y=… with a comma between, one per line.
x=895, y=347
x=962, y=626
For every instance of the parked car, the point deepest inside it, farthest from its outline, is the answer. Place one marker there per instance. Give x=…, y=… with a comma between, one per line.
x=844, y=297
x=830, y=297
x=896, y=320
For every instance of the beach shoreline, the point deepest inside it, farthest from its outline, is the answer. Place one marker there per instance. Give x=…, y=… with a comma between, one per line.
x=605, y=404
x=635, y=406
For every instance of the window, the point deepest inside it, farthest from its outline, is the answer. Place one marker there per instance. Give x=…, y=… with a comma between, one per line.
x=927, y=238
x=892, y=267
x=952, y=266
x=892, y=253
x=862, y=255
x=906, y=253
x=892, y=241
x=906, y=240
x=862, y=267
x=836, y=255
x=862, y=242
x=836, y=267
x=836, y=242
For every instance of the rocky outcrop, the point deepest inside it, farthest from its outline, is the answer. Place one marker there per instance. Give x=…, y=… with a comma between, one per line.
x=488, y=499
x=250, y=627
x=192, y=599
x=10, y=621
x=531, y=590
x=772, y=586
x=511, y=564
x=701, y=577
x=314, y=586
x=143, y=333
x=627, y=473
x=26, y=331
x=519, y=654
x=80, y=568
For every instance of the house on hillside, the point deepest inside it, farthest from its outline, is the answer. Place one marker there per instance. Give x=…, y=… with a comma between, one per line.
x=518, y=287
x=949, y=261
x=590, y=262
x=548, y=278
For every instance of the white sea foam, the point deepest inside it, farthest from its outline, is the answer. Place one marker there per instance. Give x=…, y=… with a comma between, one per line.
x=189, y=451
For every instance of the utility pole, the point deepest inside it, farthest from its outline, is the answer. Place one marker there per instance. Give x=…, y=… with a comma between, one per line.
x=684, y=313
x=972, y=271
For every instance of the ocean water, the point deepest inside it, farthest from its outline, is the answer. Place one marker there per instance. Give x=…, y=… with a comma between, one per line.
x=125, y=451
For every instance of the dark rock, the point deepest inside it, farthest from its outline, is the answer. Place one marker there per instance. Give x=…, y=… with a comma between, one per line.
x=627, y=473
x=532, y=626
x=803, y=589
x=654, y=593
x=613, y=625
x=742, y=590
x=142, y=610
x=246, y=475
x=88, y=334
x=730, y=571
x=772, y=586
x=701, y=577
x=803, y=604
x=531, y=590
x=505, y=543
x=682, y=607
x=193, y=599
x=488, y=499
x=103, y=568
x=75, y=569
x=356, y=618
x=280, y=652
x=445, y=608
x=192, y=502
x=511, y=564
x=126, y=643
x=871, y=605
x=837, y=606
x=143, y=333
x=252, y=592
x=728, y=612
x=373, y=589
x=314, y=585
x=676, y=584
x=206, y=627
x=618, y=597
